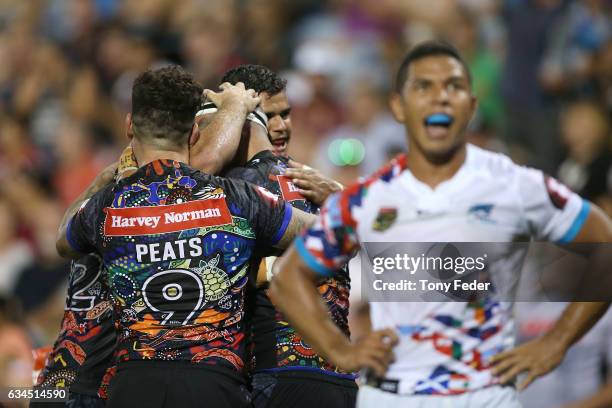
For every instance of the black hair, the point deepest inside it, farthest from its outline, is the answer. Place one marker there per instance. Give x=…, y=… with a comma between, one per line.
x=256, y=77
x=164, y=104
x=427, y=49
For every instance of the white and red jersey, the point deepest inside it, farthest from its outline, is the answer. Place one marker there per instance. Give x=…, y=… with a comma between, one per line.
x=444, y=348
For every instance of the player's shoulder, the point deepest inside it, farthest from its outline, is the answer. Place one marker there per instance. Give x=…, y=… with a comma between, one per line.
x=257, y=168
x=361, y=189
x=266, y=158
x=493, y=163
x=387, y=173
x=520, y=179
x=101, y=198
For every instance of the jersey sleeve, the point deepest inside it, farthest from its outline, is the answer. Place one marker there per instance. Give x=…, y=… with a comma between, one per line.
x=332, y=241
x=82, y=231
x=269, y=214
x=552, y=211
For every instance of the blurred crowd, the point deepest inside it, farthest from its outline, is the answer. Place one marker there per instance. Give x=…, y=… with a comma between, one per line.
x=542, y=71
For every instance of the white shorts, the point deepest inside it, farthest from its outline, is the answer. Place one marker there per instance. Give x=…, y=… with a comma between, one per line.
x=495, y=396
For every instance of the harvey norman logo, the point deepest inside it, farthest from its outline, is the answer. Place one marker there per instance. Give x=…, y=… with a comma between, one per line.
x=288, y=190
x=166, y=218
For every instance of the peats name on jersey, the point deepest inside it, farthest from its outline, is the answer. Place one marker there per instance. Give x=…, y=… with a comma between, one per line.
x=170, y=250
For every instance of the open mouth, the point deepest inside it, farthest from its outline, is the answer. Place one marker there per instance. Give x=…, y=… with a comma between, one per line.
x=437, y=125
x=280, y=144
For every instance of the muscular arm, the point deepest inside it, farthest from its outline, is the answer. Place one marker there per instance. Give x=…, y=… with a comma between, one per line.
x=579, y=317
x=542, y=355
x=293, y=290
x=102, y=180
x=299, y=220
x=220, y=133
x=219, y=139
x=126, y=166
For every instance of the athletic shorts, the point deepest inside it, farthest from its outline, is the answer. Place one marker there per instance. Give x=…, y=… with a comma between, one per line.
x=297, y=389
x=171, y=384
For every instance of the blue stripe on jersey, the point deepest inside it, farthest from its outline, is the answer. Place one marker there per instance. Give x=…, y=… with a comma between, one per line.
x=576, y=226
x=311, y=369
x=310, y=260
x=284, y=225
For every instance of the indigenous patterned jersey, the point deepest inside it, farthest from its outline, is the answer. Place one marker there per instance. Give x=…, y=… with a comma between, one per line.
x=444, y=348
x=276, y=345
x=86, y=343
x=176, y=244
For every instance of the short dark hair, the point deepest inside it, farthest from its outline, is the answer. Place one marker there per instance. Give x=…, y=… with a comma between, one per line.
x=256, y=77
x=427, y=49
x=164, y=104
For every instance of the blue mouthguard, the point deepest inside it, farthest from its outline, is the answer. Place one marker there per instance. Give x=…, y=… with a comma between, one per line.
x=438, y=119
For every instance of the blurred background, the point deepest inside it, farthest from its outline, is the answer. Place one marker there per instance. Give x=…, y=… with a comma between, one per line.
x=542, y=72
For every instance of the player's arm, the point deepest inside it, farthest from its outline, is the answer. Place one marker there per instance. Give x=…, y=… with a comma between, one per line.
x=220, y=133
x=541, y=355
x=125, y=167
x=319, y=251
x=102, y=180
x=312, y=184
x=299, y=220
x=293, y=290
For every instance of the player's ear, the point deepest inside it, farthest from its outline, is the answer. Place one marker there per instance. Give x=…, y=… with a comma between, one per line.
x=195, y=135
x=396, y=105
x=129, y=131
x=474, y=105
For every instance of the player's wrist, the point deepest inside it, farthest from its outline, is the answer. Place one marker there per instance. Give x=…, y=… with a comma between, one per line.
x=340, y=350
x=557, y=341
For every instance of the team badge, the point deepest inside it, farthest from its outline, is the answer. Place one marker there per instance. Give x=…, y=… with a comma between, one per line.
x=481, y=212
x=385, y=218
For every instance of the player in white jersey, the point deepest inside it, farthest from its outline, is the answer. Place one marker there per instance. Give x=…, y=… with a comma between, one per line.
x=442, y=190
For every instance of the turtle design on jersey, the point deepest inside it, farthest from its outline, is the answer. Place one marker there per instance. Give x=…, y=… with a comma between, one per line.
x=216, y=281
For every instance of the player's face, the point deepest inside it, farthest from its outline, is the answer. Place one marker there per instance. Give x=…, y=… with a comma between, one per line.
x=278, y=111
x=436, y=105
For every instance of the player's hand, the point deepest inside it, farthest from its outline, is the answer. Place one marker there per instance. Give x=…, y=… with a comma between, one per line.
x=373, y=351
x=537, y=357
x=312, y=184
x=233, y=96
x=127, y=164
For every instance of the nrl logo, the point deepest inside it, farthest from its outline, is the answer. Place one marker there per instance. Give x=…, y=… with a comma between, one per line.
x=385, y=218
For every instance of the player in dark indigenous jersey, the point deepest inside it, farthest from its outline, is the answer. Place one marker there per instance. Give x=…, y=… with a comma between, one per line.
x=81, y=357
x=286, y=370
x=82, y=354
x=86, y=342
x=177, y=246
